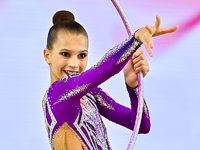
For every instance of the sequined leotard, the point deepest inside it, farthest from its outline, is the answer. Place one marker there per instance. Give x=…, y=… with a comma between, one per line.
x=62, y=101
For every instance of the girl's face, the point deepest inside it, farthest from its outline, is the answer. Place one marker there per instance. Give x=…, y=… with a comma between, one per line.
x=69, y=55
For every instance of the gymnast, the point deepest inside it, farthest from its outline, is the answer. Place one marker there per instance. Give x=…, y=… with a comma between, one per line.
x=74, y=102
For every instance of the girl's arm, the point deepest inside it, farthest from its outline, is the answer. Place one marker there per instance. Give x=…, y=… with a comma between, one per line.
x=63, y=97
x=111, y=63
x=120, y=114
x=75, y=86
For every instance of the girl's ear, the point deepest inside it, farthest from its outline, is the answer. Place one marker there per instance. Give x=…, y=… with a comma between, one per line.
x=47, y=56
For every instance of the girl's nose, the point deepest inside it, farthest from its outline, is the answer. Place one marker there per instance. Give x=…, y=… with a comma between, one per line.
x=73, y=63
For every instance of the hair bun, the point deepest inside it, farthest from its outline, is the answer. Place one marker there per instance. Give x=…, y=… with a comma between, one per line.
x=63, y=15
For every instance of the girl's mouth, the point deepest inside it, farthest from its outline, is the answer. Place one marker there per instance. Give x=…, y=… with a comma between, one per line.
x=70, y=72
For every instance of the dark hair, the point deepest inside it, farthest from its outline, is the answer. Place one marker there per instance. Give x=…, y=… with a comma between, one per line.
x=63, y=20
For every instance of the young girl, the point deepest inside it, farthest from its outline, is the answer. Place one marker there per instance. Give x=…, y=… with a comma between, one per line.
x=74, y=103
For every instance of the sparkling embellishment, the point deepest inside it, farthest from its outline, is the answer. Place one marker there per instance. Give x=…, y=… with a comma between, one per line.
x=146, y=111
x=103, y=102
x=65, y=78
x=54, y=121
x=135, y=90
x=74, y=75
x=91, y=117
x=73, y=92
x=129, y=51
x=116, y=51
x=145, y=108
x=88, y=124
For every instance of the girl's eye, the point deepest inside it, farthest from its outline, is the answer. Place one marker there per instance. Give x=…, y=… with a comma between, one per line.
x=82, y=55
x=65, y=54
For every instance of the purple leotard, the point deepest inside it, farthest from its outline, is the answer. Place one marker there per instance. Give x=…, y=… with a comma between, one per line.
x=62, y=100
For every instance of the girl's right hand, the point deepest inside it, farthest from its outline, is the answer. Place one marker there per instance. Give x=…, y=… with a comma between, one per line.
x=146, y=33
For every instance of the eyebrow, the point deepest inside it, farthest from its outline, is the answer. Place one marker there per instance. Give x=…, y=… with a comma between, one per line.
x=64, y=49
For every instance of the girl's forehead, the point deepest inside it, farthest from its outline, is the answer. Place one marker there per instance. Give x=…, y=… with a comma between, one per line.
x=71, y=41
x=70, y=36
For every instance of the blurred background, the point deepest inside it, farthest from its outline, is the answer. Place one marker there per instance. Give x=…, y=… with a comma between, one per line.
x=171, y=88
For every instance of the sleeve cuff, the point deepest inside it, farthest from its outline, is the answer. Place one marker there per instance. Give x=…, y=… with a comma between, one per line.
x=134, y=90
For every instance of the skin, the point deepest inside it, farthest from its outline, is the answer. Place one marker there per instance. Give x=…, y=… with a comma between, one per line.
x=70, y=53
x=146, y=33
x=138, y=62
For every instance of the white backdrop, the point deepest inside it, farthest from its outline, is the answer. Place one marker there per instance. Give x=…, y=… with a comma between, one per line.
x=171, y=87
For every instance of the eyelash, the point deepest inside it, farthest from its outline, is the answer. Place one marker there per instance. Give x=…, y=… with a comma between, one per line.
x=81, y=56
x=65, y=54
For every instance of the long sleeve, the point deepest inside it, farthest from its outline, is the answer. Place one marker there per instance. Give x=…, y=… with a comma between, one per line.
x=145, y=122
x=74, y=87
x=120, y=114
x=63, y=97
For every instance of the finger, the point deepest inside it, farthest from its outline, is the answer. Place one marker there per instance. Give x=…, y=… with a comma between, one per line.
x=139, y=58
x=148, y=43
x=143, y=69
x=139, y=64
x=138, y=53
x=167, y=30
x=150, y=29
x=158, y=22
x=140, y=61
x=130, y=62
x=148, y=48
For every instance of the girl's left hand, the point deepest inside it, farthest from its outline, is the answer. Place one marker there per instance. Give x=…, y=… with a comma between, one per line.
x=146, y=33
x=137, y=63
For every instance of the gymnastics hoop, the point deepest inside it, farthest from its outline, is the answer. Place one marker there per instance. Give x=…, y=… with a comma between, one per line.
x=140, y=81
